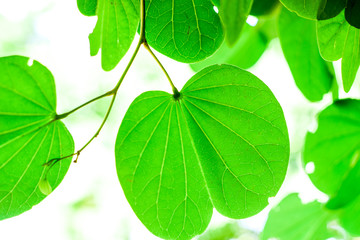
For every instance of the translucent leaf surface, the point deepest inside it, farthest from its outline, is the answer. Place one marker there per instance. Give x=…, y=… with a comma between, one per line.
x=331, y=9
x=114, y=30
x=312, y=75
x=246, y=52
x=293, y=220
x=87, y=7
x=223, y=143
x=334, y=147
x=331, y=35
x=233, y=14
x=350, y=217
x=29, y=136
x=184, y=30
x=304, y=8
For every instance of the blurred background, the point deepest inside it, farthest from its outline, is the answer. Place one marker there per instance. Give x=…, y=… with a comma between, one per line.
x=90, y=204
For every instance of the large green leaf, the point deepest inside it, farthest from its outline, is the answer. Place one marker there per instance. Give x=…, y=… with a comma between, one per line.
x=312, y=75
x=184, y=30
x=331, y=9
x=29, y=135
x=114, y=30
x=293, y=220
x=87, y=7
x=331, y=36
x=246, y=52
x=233, y=14
x=223, y=143
x=334, y=147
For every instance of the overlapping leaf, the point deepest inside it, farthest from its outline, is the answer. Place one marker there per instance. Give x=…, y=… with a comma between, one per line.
x=29, y=136
x=352, y=11
x=223, y=143
x=293, y=220
x=334, y=151
x=233, y=14
x=263, y=7
x=311, y=73
x=114, y=30
x=248, y=49
x=184, y=30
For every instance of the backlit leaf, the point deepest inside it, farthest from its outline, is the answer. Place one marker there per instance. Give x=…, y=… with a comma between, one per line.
x=184, y=30
x=304, y=8
x=87, y=7
x=247, y=50
x=331, y=9
x=114, y=30
x=334, y=147
x=223, y=143
x=263, y=7
x=29, y=136
x=293, y=220
x=233, y=14
x=331, y=36
x=312, y=75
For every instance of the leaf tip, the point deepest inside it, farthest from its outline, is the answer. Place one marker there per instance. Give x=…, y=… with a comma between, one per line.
x=44, y=187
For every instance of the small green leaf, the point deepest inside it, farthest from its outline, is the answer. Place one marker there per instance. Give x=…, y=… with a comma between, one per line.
x=44, y=187
x=222, y=144
x=293, y=220
x=263, y=7
x=305, y=8
x=352, y=11
x=114, y=30
x=331, y=9
x=334, y=146
x=351, y=58
x=184, y=30
x=29, y=136
x=233, y=14
x=246, y=52
x=331, y=36
x=311, y=73
x=87, y=7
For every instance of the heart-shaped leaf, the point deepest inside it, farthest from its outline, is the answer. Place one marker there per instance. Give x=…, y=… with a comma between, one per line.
x=184, y=30
x=29, y=136
x=222, y=143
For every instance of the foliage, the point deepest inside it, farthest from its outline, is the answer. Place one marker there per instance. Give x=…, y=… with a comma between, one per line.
x=222, y=141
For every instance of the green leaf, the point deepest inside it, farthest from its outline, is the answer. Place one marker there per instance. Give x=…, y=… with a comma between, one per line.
x=304, y=8
x=233, y=14
x=184, y=30
x=223, y=143
x=351, y=58
x=350, y=217
x=263, y=7
x=246, y=52
x=311, y=73
x=352, y=11
x=114, y=30
x=216, y=3
x=293, y=220
x=334, y=146
x=331, y=9
x=331, y=36
x=29, y=135
x=87, y=7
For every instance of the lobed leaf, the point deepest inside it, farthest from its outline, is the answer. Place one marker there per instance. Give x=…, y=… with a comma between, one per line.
x=233, y=14
x=223, y=143
x=184, y=30
x=293, y=220
x=114, y=31
x=312, y=75
x=29, y=135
